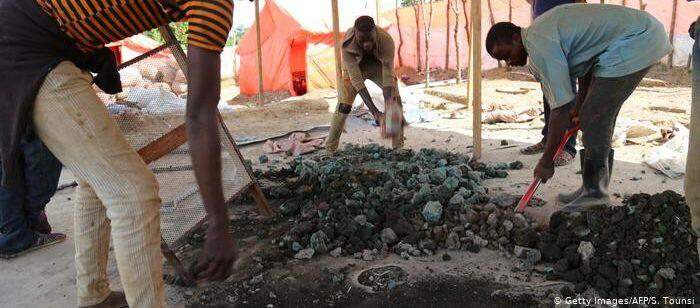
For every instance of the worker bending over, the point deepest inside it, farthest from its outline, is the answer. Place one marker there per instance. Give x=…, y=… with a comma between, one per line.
x=46, y=50
x=368, y=53
x=609, y=48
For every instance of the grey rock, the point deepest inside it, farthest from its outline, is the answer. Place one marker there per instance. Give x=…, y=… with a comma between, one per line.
x=432, y=211
x=296, y=247
x=361, y=219
x=519, y=221
x=666, y=273
x=388, y=236
x=305, y=254
x=457, y=199
x=452, y=241
x=336, y=252
x=507, y=225
x=319, y=242
x=530, y=256
x=586, y=251
x=257, y=279
x=367, y=255
x=492, y=219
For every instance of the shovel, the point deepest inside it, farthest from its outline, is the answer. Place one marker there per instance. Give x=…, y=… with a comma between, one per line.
x=536, y=182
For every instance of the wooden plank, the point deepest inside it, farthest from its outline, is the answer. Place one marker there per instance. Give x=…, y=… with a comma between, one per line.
x=260, y=199
x=175, y=48
x=475, y=75
x=164, y=145
x=258, y=43
x=337, y=44
x=672, y=31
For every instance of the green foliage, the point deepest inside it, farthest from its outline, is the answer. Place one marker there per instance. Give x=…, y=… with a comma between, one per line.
x=405, y=3
x=179, y=29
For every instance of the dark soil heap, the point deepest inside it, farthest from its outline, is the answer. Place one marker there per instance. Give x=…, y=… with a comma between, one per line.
x=369, y=197
x=644, y=248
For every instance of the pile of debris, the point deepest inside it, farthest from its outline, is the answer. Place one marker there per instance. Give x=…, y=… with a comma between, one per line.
x=644, y=248
x=366, y=200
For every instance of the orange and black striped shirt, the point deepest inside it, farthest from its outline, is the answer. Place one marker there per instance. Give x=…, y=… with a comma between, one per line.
x=94, y=23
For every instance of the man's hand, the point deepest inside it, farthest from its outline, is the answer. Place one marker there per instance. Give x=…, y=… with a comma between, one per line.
x=218, y=255
x=573, y=117
x=544, y=170
x=205, y=148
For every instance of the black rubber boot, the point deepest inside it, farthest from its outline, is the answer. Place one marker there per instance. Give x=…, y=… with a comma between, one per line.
x=596, y=178
x=568, y=197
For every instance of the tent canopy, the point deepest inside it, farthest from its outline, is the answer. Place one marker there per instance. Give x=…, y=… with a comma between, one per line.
x=298, y=37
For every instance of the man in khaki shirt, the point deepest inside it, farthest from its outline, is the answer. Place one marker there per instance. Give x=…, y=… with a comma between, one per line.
x=368, y=53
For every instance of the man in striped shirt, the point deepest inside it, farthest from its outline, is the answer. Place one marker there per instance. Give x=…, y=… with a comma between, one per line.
x=45, y=49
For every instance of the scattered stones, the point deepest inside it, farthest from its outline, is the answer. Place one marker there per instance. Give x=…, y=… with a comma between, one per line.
x=412, y=203
x=643, y=248
x=383, y=278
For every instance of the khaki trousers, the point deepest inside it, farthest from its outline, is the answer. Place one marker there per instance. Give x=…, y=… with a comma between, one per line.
x=116, y=191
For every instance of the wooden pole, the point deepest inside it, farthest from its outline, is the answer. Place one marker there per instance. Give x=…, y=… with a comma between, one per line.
x=257, y=35
x=642, y=6
x=337, y=44
x=475, y=75
x=377, y=6
x=672, y=31
x=447, y=36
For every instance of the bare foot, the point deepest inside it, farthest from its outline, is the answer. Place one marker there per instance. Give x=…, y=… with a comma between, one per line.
x=115, y=299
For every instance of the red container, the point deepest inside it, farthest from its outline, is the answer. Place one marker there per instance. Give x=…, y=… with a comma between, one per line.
x=116, y=48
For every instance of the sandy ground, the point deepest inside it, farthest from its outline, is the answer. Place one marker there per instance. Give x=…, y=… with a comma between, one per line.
x=46, y=278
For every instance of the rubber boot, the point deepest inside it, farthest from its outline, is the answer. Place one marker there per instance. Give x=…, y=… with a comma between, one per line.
x=337, y=126
x=568, y=197
x=596, y=178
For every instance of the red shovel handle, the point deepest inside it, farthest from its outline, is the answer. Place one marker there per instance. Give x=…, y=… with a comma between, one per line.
x=536, y=182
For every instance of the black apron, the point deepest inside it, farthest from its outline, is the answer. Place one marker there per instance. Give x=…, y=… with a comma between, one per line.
x=31, y=45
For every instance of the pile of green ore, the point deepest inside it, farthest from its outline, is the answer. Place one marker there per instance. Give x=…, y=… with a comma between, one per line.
x=367, y=199
x=643, y=248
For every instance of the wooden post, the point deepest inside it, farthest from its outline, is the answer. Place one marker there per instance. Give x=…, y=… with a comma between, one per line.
x=642, y=6
x=475, y=75
x=510, y=11
x=377, y=6
x=337, y=44
x=257, y=35
x=672, y=31
x=447, y=36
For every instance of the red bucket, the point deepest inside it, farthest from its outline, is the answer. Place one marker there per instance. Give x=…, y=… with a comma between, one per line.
x=116, y=48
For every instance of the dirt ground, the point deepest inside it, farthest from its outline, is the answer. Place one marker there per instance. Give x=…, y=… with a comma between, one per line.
x=47, y=277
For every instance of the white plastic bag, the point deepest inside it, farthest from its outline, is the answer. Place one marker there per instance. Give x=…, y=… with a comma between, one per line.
x=670, y=158
x=410, y=100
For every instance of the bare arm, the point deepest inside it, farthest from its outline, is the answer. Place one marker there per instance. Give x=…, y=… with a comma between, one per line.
x=203, y=136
